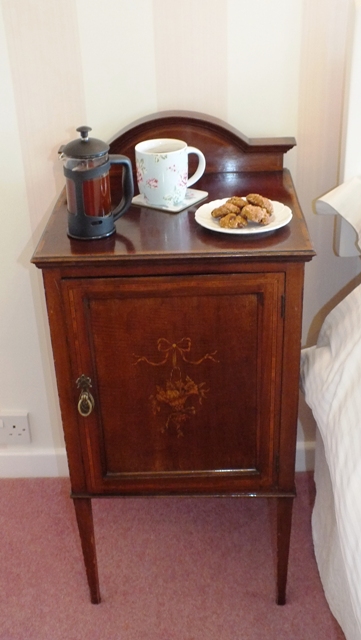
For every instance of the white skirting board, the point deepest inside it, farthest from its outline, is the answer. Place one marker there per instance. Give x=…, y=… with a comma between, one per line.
x=305, y=456
x=27, y=462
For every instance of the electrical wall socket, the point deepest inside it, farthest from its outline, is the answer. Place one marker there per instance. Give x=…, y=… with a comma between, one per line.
x=14, y=428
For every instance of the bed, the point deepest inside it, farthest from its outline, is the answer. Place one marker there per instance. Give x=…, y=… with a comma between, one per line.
x=331, y=382
x=331, y=379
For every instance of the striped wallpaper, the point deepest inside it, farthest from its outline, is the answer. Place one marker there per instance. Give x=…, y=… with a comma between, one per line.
x=268, y=67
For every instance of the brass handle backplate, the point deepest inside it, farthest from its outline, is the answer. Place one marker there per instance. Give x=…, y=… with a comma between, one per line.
x=86, y=400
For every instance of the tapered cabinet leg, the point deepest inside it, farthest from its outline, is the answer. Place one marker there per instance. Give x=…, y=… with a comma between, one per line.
x=284, y=521
x=84, y=516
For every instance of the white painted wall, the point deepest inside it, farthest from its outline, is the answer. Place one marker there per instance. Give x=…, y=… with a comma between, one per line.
x=268, y=68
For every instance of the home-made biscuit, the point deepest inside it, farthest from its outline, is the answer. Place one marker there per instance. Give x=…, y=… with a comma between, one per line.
x=260, y=201
x=228, y=221
x=238, y=201
x=254, y=213
x=224, y=209
x=233, y=221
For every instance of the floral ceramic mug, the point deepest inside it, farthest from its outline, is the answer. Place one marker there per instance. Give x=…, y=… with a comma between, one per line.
x=162, y=170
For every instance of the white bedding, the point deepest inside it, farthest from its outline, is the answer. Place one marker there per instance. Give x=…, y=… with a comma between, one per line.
x=331, y=381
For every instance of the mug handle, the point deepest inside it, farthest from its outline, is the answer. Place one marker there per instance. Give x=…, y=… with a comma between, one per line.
x=201, y=165
x=127, y=185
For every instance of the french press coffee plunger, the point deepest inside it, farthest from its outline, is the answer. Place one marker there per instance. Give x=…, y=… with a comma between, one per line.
x=86, y=169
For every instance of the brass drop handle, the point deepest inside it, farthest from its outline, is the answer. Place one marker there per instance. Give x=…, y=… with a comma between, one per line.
x=86, y=401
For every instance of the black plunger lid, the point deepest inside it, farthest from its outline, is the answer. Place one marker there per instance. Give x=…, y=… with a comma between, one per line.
x=84, y=147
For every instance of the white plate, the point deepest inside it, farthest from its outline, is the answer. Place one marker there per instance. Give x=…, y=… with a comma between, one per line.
x=280, y=217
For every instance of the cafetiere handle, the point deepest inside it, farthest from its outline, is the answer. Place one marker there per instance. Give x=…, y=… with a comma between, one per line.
x=127, y=184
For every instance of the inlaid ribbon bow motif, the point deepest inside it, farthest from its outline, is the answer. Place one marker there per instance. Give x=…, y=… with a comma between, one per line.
x=177, y=393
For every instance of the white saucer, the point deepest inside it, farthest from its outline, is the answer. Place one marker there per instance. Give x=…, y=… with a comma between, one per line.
x=192, y=197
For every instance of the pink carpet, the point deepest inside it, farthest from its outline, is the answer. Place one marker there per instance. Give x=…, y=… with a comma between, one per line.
x=170, y=569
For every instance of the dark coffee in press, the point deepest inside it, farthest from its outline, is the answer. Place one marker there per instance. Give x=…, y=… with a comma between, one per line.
x=96, y=196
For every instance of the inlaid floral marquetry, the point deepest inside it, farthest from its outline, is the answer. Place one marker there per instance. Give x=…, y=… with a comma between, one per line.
x=180, y=396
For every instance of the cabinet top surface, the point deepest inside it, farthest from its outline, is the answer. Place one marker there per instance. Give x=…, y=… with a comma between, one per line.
x=145, y=234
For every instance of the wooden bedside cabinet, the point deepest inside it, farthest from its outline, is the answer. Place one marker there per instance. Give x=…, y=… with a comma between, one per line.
x=176, y=348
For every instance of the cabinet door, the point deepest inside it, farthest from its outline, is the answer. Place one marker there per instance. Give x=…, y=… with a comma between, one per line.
x=185, y=373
